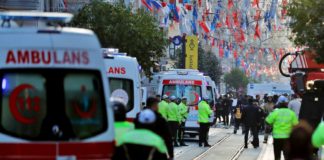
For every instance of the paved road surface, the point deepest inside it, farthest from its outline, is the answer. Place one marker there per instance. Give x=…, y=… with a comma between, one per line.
x=225, y=146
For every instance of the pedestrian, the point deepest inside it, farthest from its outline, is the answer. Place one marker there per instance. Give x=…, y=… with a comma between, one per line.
x=267, y=108
x=163, y=106
x=295, y=104
x=174, y=119
x=251, y=119
x=299, y=145
x=147, y=145
x=162, y=129
x=237, y=114
x=204, y=113
x=233, y=106
x=282, y=120
x=219, y=109
x=121, y=125
x=184, y=114
x=226, y=110
x=318, y=136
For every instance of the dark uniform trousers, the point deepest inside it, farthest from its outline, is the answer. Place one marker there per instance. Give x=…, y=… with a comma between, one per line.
x=254, y=131
x=174, y=126
x=278, y=146
x=203, y=132
x=181, y=132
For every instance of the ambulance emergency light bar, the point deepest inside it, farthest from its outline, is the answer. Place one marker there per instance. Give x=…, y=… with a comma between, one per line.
x=35, y=16
x=112, y=52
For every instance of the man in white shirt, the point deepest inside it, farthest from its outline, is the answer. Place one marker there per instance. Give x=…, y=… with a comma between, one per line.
x=295, y=104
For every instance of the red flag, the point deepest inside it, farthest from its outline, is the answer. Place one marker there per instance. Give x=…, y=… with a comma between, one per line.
x=235, y=54
x=273, y=53
x=242, y=35
x=257, y=15
x=187, y=6
x=221, y=51
x=255, y=3
x=257, y=31
x=227, y=21
x=236, y=22
x=230, y=4
x=213, y=42
x=218, y=25
x=147, y=5
x=203, y=25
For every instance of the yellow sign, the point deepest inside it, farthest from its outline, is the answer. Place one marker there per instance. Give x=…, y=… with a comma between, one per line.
x=191, y=52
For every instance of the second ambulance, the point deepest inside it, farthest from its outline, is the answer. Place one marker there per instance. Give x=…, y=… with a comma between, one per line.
x=188, y=83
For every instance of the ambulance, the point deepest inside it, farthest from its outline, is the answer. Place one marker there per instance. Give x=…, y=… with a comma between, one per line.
x=189, y=83
x=123, y=73
x=53, y=97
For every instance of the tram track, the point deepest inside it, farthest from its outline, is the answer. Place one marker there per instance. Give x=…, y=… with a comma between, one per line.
x=236, y=154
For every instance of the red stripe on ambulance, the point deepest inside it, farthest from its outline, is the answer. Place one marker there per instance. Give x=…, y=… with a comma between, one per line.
x=50, y=151
x=184, y=82
x=46, y=57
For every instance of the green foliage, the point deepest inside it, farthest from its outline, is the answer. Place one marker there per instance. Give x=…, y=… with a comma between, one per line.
x=117, y=27
x=236, y=79
x=308, y=24
x=208, y=63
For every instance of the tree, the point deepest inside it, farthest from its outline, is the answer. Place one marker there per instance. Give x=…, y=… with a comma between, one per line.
x=208, y=63
x=308, y=24
x=236, y=79
x=117, y=27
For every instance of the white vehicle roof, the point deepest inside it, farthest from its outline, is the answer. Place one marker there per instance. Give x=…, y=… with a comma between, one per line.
x=79, y=42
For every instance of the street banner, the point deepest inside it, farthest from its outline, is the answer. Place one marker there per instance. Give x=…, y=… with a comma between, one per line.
x=191, y=52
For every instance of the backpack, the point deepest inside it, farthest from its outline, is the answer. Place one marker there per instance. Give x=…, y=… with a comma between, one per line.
x=238, y=113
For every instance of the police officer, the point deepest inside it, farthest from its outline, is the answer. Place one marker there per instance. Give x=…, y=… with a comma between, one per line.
x=282, y=120
x=204, y=112
x=318, y=136
x=147, y=145
x=121, y=125
x=163, y=106
x=251, y=118
x=184, y=114
x=174, y=119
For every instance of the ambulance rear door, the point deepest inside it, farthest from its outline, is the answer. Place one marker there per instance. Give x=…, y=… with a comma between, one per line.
x=124, y=80
x=53, y=96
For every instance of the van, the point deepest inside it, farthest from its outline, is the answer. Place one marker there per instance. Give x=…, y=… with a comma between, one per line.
x=123, y=73
x=53, y=97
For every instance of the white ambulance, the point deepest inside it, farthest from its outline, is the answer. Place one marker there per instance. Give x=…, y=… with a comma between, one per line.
x=53, y=98
x=124, y=79
x=188, y=83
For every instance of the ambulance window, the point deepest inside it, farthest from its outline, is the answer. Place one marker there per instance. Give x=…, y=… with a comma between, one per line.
x=210, y=92
x=190, y=91
x=23, y=104
x=122, y=88
x=84, y=104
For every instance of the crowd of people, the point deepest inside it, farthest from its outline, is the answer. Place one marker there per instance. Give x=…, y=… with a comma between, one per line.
x=273, y=114
x=159, y=127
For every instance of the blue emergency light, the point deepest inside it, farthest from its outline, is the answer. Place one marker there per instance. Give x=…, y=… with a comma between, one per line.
x=35, y=16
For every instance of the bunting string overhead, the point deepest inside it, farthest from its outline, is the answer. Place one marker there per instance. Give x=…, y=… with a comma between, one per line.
x=232, y=28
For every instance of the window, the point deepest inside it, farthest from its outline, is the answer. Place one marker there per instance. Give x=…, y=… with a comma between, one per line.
x=124, y=89
x=39, y=104
x=210, y=92
x=193, y=93
x=23, y=104
x=83, y=104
